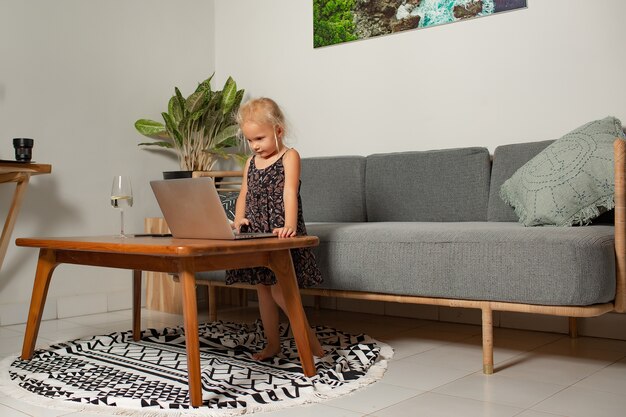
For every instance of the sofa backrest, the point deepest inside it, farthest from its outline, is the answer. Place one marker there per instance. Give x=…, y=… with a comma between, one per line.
x=506, y=160
x=332, y=189
x=449, y=185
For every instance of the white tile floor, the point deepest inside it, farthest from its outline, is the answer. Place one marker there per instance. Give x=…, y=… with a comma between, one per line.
x=435, y=371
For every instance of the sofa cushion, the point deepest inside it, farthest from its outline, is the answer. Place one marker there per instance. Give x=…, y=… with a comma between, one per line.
x=569, y=182
x=506, y=160
x=333, y=189
x=443, y=185
x=472, y=260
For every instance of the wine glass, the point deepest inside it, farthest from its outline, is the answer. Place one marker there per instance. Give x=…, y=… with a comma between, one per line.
x=121, y=196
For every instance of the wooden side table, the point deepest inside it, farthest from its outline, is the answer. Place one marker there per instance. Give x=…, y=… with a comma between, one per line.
x=18, y=173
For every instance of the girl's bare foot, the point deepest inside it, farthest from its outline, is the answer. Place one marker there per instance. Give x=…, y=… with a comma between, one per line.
x=267, y=353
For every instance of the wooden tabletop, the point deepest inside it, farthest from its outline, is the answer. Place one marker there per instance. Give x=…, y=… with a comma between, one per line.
x=167, y=246
x=34, y=169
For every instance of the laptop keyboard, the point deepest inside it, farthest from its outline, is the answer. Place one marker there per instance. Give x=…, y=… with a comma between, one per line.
x=252, y=235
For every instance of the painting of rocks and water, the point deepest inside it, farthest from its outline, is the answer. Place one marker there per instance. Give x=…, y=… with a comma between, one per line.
x=337, y=21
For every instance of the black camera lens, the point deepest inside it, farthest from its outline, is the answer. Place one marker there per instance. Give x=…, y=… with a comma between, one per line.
x=23, y=149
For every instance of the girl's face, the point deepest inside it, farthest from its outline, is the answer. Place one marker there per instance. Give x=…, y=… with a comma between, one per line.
x=262, y=139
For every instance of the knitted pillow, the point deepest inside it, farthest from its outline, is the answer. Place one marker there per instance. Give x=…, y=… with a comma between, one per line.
x=571, y=181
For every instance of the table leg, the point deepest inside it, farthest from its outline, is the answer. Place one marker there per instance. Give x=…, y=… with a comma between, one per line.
x=187, y=280
x=282, y=265
x=136, y=305
x=45, y=267
x=9, y=223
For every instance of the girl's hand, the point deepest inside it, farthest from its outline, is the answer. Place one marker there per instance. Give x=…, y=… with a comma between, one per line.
x=238, y=223
x=284, y=231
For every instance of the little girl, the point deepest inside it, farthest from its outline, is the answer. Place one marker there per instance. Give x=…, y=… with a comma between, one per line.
x=269, y=201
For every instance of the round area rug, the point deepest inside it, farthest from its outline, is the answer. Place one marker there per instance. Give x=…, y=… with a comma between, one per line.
x=113, y=374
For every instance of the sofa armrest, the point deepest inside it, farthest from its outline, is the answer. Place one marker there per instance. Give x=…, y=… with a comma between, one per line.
x=619, y=147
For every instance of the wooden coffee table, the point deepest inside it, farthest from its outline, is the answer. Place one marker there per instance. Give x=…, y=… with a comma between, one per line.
x=184, y=257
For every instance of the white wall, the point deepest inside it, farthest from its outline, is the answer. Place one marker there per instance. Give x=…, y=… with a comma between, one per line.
x=521, y=76
x=75, y=75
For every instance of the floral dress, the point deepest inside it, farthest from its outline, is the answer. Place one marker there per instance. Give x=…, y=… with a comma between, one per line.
x=265, y=210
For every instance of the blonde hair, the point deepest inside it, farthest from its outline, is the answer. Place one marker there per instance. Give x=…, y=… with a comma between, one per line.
x=262, y=110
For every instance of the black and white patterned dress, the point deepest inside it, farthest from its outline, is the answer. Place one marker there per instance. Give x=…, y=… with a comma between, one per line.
x=265, y=209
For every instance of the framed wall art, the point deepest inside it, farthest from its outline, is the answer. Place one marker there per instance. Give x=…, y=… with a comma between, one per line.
x=338, y=21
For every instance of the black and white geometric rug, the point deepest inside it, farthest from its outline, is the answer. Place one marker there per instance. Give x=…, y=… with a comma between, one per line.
x=115, y=375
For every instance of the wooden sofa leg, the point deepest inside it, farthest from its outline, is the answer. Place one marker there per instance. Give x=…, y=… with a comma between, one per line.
x=573, y=327
x=212, y=303
x=487, y=340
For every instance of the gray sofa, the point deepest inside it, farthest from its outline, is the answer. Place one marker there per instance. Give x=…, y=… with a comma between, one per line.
x=432, y=224
x=430, y=228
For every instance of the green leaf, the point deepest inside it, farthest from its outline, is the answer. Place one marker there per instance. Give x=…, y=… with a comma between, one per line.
x=230, y=142
x=205, y=85
x=212, y=119
x=170, y=104
x=213, y=126
x=180, y=99
x=184, y=123
x=197, y=115
x=229, y=93
x=174, y=109
x=160, y=144
x=239, y=97
x=214, y=101
x=232, y=116
x=195, y=101
x=170, y=124
x=229, y=132
x=149, y=127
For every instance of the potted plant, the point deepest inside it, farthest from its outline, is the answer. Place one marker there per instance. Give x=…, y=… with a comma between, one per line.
x=201, y=128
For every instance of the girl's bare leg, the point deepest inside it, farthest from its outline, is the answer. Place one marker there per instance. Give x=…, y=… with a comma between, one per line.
x=314, y=343
x=270, y=318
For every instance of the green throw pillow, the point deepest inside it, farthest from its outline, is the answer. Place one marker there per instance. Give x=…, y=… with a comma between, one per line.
x=571, y=181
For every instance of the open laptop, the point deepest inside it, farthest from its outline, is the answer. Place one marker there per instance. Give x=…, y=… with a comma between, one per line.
x=193, y=210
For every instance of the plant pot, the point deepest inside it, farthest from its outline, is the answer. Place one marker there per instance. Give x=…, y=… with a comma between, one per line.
x=170, y=175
